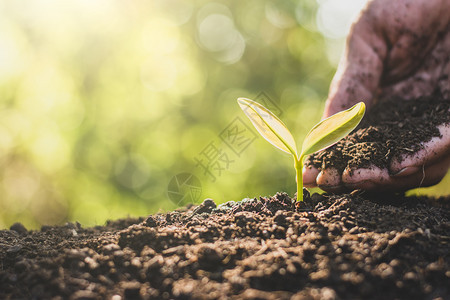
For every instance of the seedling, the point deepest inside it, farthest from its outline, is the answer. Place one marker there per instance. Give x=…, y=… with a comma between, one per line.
x=323, y=135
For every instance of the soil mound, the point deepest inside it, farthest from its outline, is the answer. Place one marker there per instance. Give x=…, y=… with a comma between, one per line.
x=390, y=129
x=350, y=246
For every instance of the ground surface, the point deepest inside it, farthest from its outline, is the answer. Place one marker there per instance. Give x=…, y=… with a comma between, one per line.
x=353, y=246
x=334, y=247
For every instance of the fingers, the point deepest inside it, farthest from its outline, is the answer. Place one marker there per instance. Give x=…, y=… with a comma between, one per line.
x=412, y=28
x=433, y=151
x=366, y=179
x=387, y=45
x=377, y=179
x=431, y=76
x=309, y=176
x=369, y=179
x=358, y=74
x=424, y=168
x=330, y=180
x=395, y=48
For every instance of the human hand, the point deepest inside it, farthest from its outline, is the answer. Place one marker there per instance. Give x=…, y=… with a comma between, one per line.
x=396, y=49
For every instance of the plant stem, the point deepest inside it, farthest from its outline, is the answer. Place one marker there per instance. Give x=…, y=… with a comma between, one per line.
x=298, y=167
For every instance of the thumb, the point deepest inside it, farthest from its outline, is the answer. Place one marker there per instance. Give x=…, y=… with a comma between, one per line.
x=358, y=74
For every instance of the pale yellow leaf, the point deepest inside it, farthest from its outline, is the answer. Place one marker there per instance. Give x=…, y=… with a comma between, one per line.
x=330, y=130
x=269, y=125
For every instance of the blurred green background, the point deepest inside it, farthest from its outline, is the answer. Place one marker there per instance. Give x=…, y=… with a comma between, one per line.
x=103, y=103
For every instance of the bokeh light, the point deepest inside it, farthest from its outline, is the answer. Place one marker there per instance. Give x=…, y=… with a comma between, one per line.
x=103, y=102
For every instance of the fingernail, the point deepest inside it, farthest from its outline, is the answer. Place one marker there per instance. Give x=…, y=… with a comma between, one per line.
x=406, y=171
x=399, y=172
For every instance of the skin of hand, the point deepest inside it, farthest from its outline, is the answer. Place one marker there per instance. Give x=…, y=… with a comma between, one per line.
x=398, y=49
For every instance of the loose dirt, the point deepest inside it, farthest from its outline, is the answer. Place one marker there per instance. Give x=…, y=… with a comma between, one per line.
x=389, y=129
x=353, y=246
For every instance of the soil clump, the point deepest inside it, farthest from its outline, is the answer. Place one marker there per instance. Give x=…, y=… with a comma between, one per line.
x=389, y=130
x=352, y=246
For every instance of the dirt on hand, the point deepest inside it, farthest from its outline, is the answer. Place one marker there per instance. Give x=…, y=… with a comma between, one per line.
x=353, y=246
x=389, y=129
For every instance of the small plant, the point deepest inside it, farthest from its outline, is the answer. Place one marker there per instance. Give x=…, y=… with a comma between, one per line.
x=323, y=135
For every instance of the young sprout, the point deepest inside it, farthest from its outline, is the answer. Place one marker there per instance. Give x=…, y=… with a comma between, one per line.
x=323, y=135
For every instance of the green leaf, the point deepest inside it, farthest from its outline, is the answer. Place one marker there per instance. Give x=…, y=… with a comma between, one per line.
x=269, y=126
x=330, y=130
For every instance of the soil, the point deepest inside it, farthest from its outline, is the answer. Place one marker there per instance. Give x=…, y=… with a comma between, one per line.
x=389, y=129
x=352, y=246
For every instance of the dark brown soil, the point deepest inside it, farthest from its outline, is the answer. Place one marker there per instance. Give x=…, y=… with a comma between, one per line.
x=391, y=128
x=341, y=247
